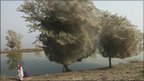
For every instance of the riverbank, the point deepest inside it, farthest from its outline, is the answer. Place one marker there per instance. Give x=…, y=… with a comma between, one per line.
x=24, y=50
x=123, y=72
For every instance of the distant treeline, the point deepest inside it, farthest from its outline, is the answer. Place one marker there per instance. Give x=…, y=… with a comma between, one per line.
x=24, y=50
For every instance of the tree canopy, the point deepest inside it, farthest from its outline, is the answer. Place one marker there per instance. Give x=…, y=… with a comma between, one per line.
x=68, y=28
x=118, y=36
x=14, y=39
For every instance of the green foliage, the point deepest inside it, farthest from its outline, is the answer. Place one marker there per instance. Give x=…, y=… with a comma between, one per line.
x=14, y=40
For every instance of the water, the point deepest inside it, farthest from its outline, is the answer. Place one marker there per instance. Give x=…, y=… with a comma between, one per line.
x=38, y=64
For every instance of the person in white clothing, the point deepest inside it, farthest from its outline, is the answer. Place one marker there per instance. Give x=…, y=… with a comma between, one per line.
x=20, y=72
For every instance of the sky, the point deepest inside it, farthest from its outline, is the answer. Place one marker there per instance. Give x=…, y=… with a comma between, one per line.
x=11, y=19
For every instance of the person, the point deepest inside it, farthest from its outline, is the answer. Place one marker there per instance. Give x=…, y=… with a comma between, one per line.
x=20, y=72
x=26, y=74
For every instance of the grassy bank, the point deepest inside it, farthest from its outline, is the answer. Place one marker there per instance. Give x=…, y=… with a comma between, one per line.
x=24, y=50
x=121, y=72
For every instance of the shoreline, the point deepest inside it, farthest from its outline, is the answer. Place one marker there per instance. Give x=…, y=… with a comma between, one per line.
x=124, y=72
x=24, y=50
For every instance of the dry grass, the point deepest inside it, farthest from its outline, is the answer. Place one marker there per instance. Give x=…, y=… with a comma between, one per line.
x=123, y=72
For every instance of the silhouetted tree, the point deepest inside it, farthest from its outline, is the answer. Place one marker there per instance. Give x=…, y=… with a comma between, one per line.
x=118, y=37
x=68, y=28
x=14, y=40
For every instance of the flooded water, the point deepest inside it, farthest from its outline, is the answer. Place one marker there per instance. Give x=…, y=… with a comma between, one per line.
x=38, y=64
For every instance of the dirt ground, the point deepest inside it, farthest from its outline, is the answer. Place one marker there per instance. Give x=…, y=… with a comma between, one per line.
x=122, y=72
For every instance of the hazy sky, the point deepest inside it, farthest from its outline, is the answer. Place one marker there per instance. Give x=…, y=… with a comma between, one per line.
x=11, y=19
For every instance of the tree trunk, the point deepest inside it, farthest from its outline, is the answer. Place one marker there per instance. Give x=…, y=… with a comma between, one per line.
x=110, y=61
x=66, y=69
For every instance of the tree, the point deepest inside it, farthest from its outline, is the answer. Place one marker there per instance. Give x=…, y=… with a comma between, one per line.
x=118, y=37
x=14, y=40
x=68, y=28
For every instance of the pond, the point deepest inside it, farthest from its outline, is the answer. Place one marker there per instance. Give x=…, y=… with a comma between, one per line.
x=38, y=63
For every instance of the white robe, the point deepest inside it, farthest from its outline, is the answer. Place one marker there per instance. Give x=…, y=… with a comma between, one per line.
x=20, y=73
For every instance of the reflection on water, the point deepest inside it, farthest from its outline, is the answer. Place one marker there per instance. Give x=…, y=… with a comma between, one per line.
x=38, y=53
x=14, y=58
x=38, y=64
